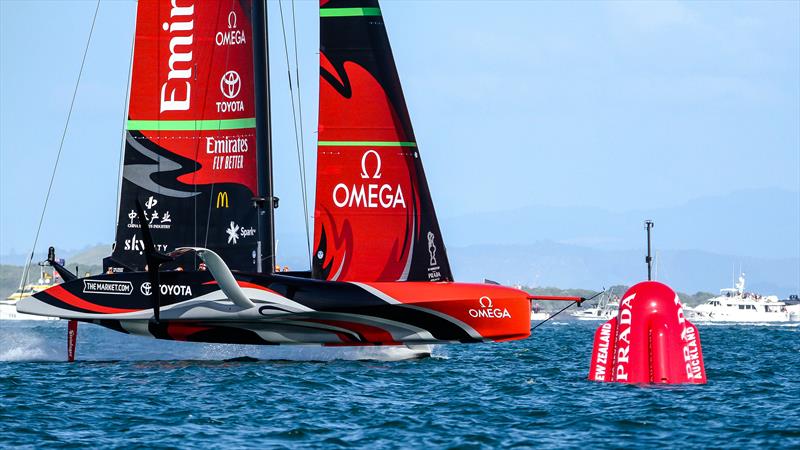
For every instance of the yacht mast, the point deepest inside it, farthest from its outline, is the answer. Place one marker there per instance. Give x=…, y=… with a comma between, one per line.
x=265, y=202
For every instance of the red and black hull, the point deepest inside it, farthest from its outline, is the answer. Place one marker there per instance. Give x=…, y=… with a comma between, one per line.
x=292, y=310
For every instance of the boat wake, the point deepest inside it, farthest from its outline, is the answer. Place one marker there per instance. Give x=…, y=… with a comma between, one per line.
x=26, y=344
x=230, y=352
x=34, y=341
x=750, y=324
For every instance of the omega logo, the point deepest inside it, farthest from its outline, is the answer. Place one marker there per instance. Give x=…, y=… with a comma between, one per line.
x=488, y=311
x=369, y=195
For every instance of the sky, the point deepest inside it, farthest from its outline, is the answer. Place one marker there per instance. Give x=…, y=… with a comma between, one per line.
x=620, y=106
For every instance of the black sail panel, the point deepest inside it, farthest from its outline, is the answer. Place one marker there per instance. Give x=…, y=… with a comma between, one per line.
x=190, y=151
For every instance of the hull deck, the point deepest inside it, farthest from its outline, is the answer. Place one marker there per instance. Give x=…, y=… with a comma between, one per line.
x=291, y=310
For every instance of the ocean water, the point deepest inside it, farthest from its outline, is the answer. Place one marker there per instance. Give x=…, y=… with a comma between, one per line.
x=129, y=391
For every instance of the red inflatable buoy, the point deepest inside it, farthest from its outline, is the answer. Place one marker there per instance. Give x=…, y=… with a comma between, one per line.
x=650, y=341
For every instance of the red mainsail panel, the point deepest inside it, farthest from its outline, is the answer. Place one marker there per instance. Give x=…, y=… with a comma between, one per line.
x=190, y=153
x=374, y=217
x=192, y=86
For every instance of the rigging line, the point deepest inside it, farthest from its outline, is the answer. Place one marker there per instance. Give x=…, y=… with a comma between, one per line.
x=296, y=137
x=565, y=308
x=300, y=113
x=121, y=161
x=60, y=148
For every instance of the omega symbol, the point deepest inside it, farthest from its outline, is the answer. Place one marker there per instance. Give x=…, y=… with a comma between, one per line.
x=364, y=172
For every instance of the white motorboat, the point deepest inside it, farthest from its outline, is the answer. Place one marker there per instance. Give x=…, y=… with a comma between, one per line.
x=737, y=305
x=606, y=308
x=793, y=306
x=537, y=314
x=8, y=311
x=8, y=306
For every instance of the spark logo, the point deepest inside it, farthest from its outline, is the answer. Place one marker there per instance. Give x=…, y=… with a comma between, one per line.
x=235, y=232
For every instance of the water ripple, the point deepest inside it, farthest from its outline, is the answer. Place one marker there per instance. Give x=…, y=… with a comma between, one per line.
x=133, y=392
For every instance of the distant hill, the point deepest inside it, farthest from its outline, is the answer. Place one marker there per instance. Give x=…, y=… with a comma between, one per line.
x=553, y=264
x=546, y=263
x=88, y=260
x=699, y=245
x=91, y=256
x=760, y=223
x=619, y=291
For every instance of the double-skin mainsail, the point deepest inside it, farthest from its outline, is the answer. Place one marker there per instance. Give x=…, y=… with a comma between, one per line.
x=374, y=217
x=191, y=155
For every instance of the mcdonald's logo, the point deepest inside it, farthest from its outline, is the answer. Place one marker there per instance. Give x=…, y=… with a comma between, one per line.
x=222, y=199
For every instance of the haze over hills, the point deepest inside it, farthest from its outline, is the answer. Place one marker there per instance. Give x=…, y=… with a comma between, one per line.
x=552, y=264
x=761, y=223
x=698, y=244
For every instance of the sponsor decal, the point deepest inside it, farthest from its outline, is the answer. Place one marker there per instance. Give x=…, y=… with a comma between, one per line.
x=222, y=199
x=622, y=357
x=233, y=35
x=370, y=194
x=602, y=352
x=155, y=220
x=135, y=244
x=166, y=289
x=691, y=353
x=488, y=311
x=230, y=84
x=227, y=151
x=226, y=144
x=432, y=248
x=176, y=92
x=434, y=274
x=235, y=232
x=107, y=287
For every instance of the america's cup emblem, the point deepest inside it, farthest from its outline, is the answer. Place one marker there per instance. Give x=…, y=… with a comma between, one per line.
x=230, y=84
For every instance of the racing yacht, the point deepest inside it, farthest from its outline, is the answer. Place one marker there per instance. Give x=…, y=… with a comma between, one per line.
x=193, y=258
x=737, y=305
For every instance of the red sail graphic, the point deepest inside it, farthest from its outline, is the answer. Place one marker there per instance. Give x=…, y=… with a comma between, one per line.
x=374, y=218
x=194, y=62
x=190, y=142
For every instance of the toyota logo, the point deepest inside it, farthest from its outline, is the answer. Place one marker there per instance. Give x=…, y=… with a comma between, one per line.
x=230, y=84
x=146, y=288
